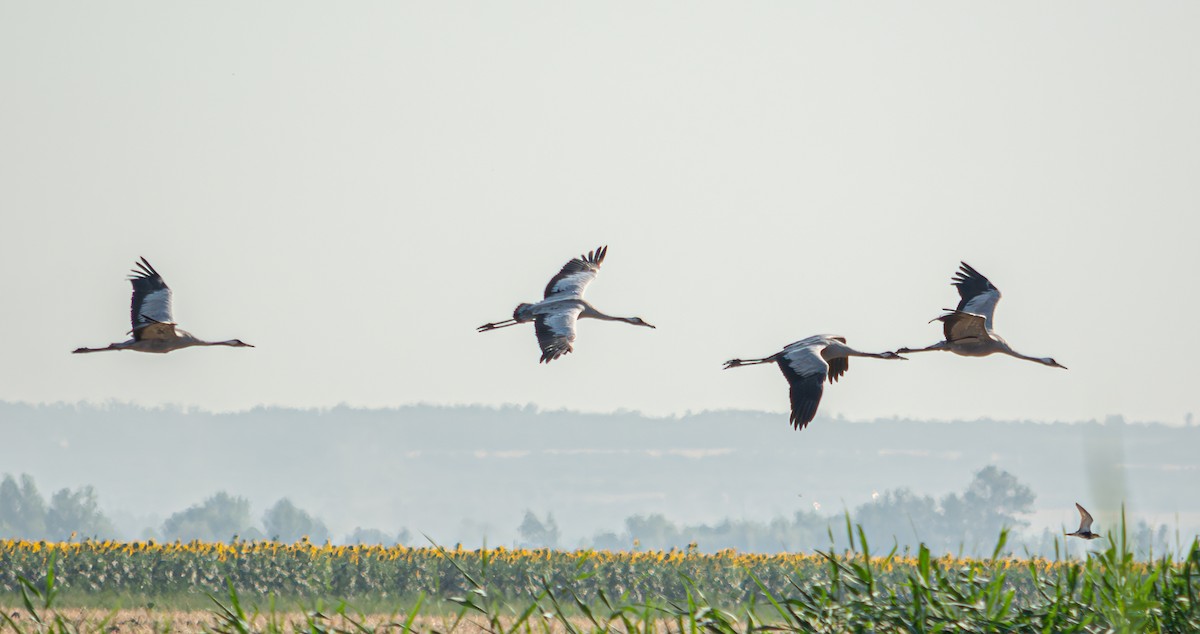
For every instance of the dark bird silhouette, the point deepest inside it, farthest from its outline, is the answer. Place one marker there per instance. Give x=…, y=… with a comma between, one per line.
x=1085, y=525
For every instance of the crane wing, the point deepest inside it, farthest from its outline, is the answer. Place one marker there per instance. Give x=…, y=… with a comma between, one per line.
x=575, y=275
x=151, y=302
x=805, y=371
x=1085, y=520
x=556, y=331
x=978, y=295
x=959, y=326
x=838, y=367
x=814, y=340
x=834, y=353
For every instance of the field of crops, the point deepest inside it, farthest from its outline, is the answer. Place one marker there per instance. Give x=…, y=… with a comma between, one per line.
x=540, y=590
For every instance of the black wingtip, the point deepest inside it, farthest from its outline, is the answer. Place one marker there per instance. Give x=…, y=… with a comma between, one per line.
x=553, y=354
x=800, y=420
x=967, y=273
x=596, y=256
x=144, y=269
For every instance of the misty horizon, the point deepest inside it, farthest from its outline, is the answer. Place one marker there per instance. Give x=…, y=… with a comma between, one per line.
x=468, y=473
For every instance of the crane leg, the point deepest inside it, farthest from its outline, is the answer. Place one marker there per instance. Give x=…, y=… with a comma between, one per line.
x=941, y=345
x=111, y=346
x=499, y=324
x=737, y=363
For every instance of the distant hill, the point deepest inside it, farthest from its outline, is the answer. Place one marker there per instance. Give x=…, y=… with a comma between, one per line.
x=458, y=472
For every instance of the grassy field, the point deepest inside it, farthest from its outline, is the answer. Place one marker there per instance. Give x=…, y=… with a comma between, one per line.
x=271, y=587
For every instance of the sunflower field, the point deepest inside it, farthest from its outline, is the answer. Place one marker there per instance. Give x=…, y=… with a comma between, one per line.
x=725, y=591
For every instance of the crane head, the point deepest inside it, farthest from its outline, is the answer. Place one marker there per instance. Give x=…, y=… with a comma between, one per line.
x=638, y=321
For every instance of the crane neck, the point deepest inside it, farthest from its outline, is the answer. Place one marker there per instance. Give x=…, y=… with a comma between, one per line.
x=590, y=312
x=1013, y=353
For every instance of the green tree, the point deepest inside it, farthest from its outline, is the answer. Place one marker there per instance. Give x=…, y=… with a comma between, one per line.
x=218, y=518
x=286, y=523
x=76, y=512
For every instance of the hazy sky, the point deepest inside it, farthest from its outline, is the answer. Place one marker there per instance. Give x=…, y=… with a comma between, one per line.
x=354, y=188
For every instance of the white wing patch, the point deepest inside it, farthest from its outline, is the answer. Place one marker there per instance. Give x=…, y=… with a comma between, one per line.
x=573, y=285
x=984, y=305
x=806, y=360
x=807, y=341
x=572, y=279
x=562, y=324
x=157, y=306
x=556, y=331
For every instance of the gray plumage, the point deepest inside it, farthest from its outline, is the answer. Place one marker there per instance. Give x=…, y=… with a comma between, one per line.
x=968, y=328
x=555, y=317
x=1085, y=525
x=806, y=364
x=153, y=324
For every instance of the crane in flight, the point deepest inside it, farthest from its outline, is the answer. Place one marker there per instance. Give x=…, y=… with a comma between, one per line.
x=968, y=328
x=153, y=325
x=806, y=364
x=1085, y=525
x=554, y=317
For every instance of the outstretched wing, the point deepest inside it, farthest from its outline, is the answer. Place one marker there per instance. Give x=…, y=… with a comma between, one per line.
x=964, y=327
x=151, y=302
x=979, y=296
x=575, y=275
x=805, y=371
x=1085, y=520
x=556, y=332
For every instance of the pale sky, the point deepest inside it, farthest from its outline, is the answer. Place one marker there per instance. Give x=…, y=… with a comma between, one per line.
x=353, y=188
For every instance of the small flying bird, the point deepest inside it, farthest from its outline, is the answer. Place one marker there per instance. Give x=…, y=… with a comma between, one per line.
x=805, y=364
x=563, y=305
x=153, y=325
x=968, y=328
x=1085, y=525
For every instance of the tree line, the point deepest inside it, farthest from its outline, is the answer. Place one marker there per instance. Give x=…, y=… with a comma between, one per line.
x=26, y=514
x=967, y=523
